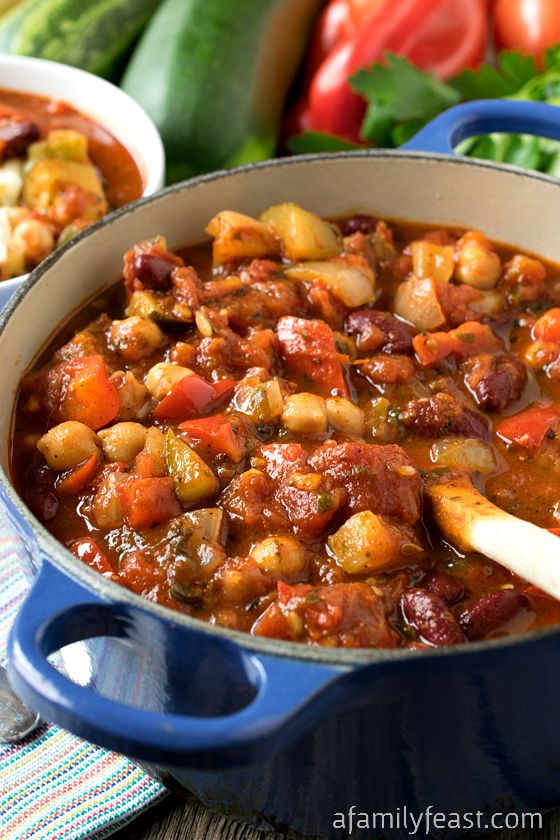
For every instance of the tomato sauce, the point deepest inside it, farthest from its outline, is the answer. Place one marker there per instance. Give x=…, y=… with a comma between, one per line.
x=242, y=431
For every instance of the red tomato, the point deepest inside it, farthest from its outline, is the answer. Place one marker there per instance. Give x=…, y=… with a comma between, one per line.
x=193, y=396
x=81, y=390
x=309, y=351
x=530, y=26
x=148, y=501
x=528, y=428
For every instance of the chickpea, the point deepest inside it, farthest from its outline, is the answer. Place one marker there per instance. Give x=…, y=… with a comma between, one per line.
x=68, y=444
x=280, y=555
x=478, y=267
x=106, y=509
x=345, y=416
x=161, y=378
x=136, y=337
x=305, y=414
x=34, y=238
x=133, y=396
x=123, y=441
x=16, y=215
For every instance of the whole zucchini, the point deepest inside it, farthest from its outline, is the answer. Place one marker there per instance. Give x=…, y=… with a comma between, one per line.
x=214, y=76
x=91, y=34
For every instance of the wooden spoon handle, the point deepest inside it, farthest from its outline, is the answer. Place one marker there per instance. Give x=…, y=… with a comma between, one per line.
x=467, y=519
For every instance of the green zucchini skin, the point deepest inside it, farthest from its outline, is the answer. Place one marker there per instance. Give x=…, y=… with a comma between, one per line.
x=214, y=76
x=91, y=34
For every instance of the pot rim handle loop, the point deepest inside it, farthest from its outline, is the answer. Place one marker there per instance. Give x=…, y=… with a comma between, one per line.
x=289, y=694
x=485, y=116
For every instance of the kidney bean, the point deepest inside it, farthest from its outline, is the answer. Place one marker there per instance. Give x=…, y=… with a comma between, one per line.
x=489, y=612
x=16, y=136
x=360, y=223
x=428, y=613
x=445, y=586
x=153, y=271
x=393, y=335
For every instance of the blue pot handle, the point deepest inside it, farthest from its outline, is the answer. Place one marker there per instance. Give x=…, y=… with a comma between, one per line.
x=288, y=696
x=450, y=128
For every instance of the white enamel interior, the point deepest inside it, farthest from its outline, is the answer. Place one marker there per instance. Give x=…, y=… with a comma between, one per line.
x=508, y=206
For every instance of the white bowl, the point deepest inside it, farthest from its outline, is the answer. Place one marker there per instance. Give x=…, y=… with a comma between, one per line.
x=97, y=99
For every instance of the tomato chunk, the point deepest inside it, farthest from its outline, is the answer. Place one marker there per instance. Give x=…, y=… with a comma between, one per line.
x=309, y=351
x=89, y=552
x=529, y=428
x=193, y=396
x=81, y=390
x=148, y=501
x=349, y=614
x=547, y=328
x=469, y=339
x=282, y=459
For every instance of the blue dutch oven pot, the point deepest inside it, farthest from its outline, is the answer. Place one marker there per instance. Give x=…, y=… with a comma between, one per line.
x=281, y=735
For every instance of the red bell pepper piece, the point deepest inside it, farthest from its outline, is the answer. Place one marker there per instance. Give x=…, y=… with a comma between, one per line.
x=529, y=428
x=81, y=390
x=547, y=328
x=468, y=339
x=216, y=432
x=148, y=501
x=309, y=351
x=193, y=396
x=89, y=552
x=335, y=23
x=443, y=36
x=75, y=480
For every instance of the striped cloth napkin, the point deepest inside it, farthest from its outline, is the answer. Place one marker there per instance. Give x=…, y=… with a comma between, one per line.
x=54, y=786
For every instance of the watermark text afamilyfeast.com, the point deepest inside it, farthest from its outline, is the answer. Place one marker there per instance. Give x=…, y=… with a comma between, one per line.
x=430, y=820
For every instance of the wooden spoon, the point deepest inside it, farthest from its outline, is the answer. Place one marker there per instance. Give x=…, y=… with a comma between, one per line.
x=467, y=519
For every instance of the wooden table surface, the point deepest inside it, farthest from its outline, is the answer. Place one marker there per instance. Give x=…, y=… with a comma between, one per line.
x=172, y=819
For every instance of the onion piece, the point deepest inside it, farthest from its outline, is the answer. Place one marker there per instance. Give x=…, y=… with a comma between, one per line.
x=430, y=260
x=262, y=403
x=469, y=453
x=237, y=236
x=416, y=302
x=304, y=235
x=352, y=285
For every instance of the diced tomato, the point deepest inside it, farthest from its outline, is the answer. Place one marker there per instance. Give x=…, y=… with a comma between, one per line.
x=529, y=428
x=282, y=459
x=309, y=351
x=469, y=339
x=555, y=531
x=218, y=433
x=89, y=552
x=75, y=480
x=138, y=572
x=349, y=614
x=547, y=328
x=81, y=390
x=193, y=396
x=148, y=501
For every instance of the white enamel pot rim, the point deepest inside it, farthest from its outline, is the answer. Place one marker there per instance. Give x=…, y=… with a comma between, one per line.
x=428, y=187
x=96, y=98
